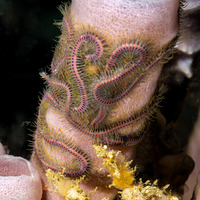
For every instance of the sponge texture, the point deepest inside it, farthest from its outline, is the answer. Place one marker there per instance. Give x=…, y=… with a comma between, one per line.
x=18, y=179
x=156, y=19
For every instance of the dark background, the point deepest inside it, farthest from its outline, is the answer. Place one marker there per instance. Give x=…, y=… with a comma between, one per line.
x=27, y=40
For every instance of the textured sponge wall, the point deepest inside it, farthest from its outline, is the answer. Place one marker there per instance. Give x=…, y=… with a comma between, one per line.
x=156, y=19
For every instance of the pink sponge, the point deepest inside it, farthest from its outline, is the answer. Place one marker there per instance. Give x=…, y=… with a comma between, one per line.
x=18, y=179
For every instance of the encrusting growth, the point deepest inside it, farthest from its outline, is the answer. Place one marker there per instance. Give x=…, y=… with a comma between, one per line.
x=67, y=188
x=123, y=178
x=119, y=170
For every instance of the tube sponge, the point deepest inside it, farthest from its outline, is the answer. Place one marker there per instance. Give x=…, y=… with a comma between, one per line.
x=18, y=179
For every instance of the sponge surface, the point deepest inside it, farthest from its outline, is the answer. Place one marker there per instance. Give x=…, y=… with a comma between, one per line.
x=156, y=19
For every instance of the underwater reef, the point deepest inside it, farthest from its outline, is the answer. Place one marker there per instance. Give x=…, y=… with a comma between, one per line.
x=100, y=132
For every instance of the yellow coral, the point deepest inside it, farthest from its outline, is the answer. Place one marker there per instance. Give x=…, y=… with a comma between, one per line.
x=119, y=170
x=149, y=192
x=124, y=178
x=65, y=187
